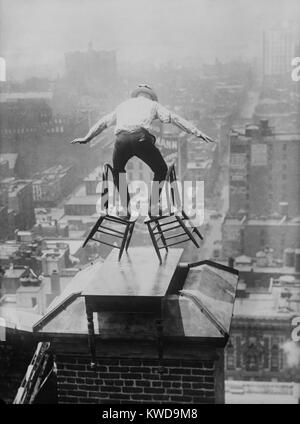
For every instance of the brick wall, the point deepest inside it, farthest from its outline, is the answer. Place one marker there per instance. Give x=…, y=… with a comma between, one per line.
x=136, y=380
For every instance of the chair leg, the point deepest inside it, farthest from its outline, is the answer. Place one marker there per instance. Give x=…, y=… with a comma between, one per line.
x=188, y=232
x=154, y=242
x=162, y=236
x=129, y=236
x=195, y=229
x=124, y=241
x=94, y=230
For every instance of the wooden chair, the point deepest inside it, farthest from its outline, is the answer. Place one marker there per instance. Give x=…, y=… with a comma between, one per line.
x=106, y=224
x=161, y=228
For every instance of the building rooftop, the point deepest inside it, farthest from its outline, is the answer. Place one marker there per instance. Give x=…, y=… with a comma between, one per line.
x=73, y=244
x=7, y=249
x=85, y=219
x=198, y=298
x=260, y=392
x=8, y=97
x=13, y=318
x=14, y=272
x=275, y=136
x=46, y=215
x=83, y=200
x=11, y=158
x=254, y=267
x=96, y=174
x=261, y=306
x=14, y=185
x=262, y=221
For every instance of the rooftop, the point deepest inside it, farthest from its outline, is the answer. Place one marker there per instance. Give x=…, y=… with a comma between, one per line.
x=14, y=185
x=198, y=298
x=83, y=200
x=245, y=266
x=73, y=244
x=8, y=97
x=14, y=272
x=260, y=392
x=280, y=221
x=275, y=136
x=96, y=174
x=11, y=158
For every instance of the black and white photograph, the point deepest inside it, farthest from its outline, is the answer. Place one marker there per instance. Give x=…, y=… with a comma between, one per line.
x=149, y=205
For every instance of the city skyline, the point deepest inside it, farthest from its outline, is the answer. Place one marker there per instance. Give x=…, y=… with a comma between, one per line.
x=138, y=31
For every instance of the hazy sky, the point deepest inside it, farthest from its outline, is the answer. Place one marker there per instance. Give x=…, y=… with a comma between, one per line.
x=38, y=32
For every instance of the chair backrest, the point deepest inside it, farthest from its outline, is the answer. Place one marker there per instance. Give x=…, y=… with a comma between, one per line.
x=172, y=190
x=107, y=168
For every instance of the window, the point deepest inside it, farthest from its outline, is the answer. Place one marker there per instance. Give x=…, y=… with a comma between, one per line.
x=238, y=347
x=230, y=363
x=266, y=353
x=262, y=237
x=33, y=302
x=274, y=358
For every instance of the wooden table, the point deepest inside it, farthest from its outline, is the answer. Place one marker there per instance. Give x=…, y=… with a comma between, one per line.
x=137, y=283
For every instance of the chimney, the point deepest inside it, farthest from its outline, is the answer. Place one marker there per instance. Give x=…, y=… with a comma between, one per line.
x=55, y=283
x=289, y=257
x=264, y=127
x=231, y=262
x=146, y=368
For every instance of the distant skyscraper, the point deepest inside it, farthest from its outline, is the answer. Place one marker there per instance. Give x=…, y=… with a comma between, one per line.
x=278, y=50
x=91, y=70
x=264, y=171
x=264, y=196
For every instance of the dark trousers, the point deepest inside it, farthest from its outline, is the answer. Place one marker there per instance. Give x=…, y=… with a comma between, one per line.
x=142, y=145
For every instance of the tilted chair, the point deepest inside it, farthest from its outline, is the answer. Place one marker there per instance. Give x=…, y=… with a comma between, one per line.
x=159, y=226
x=106, y=223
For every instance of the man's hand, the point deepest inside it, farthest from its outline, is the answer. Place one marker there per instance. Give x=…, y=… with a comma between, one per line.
x=79, y=140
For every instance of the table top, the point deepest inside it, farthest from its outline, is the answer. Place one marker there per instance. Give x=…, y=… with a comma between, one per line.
x=138, y=274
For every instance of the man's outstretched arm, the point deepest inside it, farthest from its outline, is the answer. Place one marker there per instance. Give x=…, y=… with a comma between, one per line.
x=165, y=116
x=97, y=129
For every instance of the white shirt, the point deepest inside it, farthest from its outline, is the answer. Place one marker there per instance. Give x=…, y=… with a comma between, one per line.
x=139, y=112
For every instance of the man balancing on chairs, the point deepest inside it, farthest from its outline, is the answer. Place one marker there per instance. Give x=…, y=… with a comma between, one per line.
x=132, y=120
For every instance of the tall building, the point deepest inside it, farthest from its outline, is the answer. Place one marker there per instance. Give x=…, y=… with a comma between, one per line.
x=20, y=200
x=51, y=185
x=260, y=346
x=278, y=51
x=91, y=70
x=264, y=171
x=249, y=235
x=264, y=196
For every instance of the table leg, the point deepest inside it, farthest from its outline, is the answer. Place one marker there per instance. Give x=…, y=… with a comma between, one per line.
x=91, y=334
